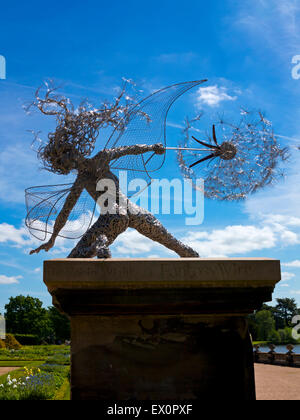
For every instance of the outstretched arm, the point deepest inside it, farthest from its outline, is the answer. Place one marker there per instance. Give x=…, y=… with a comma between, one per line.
x=63, y=216
x=137, y=149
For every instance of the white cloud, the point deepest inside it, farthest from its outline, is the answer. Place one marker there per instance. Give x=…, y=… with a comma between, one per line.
x=289, y=238
x=133, y=243
x=212, y=96
x=9, y=280
x=282, y=219
x=11, y=234
x=278, y=206
x=295, y=264
x=268, y=232
x=231, y=241
x=284, y=285
x=21, y=238
x=287, y=276
x=273, y=23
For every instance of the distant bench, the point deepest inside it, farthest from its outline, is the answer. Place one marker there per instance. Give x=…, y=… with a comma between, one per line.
x=280, y=359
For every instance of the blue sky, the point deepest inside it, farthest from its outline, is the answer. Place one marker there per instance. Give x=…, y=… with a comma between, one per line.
x=245, y=49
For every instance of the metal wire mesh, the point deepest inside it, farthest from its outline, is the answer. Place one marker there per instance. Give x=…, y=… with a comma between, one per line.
x=43, y=205
x=255, y=165
x=146, y=124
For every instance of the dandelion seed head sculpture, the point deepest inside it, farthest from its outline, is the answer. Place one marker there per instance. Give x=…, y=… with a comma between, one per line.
x=247, y=158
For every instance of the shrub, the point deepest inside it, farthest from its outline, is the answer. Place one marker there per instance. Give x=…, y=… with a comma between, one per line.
x=286, y=336
x=274, y=337
x=59, y=359
x=11, y=343
x=2, y=344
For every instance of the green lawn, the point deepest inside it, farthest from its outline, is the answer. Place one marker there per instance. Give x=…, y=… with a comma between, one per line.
x=261, y=343
x=33, y=353
x=14, y=363
x=64, y=393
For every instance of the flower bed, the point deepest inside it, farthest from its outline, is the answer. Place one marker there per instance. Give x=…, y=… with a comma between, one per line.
x=42, y=382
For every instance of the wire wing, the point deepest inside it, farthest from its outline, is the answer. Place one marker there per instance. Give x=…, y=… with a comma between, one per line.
x=146, y=124
x=43, y=205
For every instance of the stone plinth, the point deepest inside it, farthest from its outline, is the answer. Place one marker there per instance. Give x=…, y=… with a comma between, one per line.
x=165, y=329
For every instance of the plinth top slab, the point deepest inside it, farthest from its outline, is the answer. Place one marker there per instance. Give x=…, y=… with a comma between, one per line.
x=161, y=273
x=161, y=285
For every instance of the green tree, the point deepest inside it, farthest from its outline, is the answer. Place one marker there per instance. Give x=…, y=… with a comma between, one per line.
x=274, y=337
x=252, y=325
x=60, y=324
x=265, y=324
x=285, y=310
x=26, y=315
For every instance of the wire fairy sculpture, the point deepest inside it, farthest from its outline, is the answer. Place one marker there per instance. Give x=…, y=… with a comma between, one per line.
x=246, y=159
x=65, y=210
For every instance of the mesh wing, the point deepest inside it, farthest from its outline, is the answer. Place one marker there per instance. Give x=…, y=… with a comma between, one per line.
x=43, y=205
x=146, y=124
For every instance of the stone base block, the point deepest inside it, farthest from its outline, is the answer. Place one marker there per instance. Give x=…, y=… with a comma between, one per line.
x=161, y=329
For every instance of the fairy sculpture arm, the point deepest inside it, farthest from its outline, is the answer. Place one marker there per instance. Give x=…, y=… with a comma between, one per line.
x=63, y=215
x=137, y=149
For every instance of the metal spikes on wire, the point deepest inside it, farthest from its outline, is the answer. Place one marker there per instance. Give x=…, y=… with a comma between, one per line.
x=225, y=151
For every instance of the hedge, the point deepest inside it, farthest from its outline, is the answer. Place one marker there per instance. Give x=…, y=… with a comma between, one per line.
x=27, y=339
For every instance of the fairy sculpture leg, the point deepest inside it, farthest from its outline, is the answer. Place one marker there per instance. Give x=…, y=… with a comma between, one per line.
x=146, y=224
x=107, y=228
x=97, y=239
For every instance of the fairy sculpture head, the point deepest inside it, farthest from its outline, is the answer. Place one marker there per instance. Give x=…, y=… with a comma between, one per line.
x=73, y=140
x=76, y=129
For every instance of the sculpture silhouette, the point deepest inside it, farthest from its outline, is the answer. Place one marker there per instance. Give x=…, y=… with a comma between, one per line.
x=58, y=210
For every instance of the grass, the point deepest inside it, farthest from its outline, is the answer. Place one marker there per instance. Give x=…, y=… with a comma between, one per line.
x=37, y=353
x=22, y=363
x=64, y=393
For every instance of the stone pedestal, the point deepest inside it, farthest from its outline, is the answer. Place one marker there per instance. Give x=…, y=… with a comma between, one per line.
x=168, y=329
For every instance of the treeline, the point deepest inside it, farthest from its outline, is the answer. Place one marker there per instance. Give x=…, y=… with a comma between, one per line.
x=274, y=323
x=30, y=323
